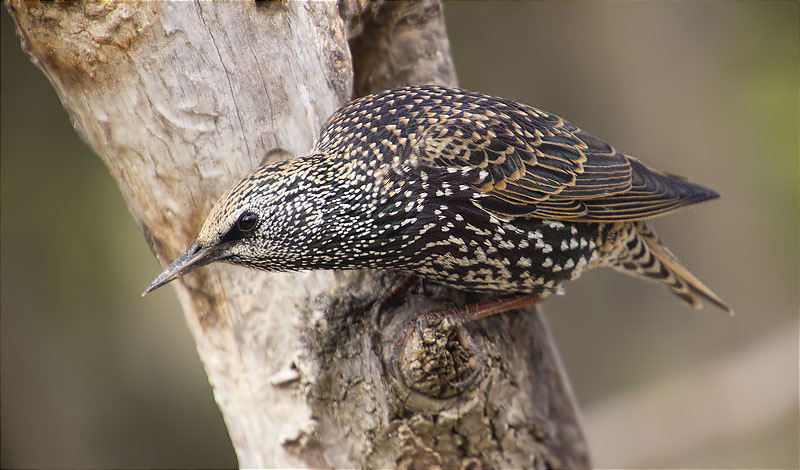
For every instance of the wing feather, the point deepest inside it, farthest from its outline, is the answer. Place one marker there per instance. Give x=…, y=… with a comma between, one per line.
x=536, y=164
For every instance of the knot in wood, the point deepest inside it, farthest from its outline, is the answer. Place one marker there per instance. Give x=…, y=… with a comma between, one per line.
x=438, y=360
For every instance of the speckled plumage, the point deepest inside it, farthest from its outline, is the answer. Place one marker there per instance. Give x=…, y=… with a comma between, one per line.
x=465, y=189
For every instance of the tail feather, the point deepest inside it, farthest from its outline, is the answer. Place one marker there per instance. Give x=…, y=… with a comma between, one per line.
x=647, y=256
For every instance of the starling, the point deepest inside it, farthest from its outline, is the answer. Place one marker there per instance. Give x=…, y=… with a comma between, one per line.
x=471, y=191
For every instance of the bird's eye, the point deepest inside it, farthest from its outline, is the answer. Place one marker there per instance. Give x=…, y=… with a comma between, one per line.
x=247, y=222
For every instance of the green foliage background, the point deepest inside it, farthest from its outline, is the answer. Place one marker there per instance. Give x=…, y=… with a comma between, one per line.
x=94, y=376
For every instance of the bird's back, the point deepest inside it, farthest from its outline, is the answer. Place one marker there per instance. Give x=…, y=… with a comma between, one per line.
x=524, y=161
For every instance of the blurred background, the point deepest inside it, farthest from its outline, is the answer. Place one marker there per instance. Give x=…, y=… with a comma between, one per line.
x=94, y=376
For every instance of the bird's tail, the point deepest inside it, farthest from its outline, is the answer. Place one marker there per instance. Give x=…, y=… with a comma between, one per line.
x=647, y=256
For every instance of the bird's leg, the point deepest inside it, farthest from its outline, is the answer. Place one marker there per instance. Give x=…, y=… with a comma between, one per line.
x=459, y=315
x=397, y=293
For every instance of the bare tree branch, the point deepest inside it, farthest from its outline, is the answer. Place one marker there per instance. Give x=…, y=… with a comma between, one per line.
x=182, y=99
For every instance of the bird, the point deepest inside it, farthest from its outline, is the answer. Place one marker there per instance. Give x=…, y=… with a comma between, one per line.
x=472, y=191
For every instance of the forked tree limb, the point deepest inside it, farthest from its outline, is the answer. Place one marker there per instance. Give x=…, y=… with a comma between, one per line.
x=182, y=99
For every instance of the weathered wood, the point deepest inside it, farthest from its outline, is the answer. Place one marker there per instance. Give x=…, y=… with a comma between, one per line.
x=182, y=99
x=400, y=43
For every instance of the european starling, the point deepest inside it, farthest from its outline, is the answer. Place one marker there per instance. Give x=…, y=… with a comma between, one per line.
x=472, y=191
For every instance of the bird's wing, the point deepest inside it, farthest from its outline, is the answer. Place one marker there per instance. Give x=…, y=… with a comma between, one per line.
x=529, y=163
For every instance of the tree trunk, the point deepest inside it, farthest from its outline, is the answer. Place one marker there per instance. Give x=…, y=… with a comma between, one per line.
x=180, y=100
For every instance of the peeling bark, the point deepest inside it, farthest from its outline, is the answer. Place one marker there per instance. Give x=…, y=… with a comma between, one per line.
x=182, y=99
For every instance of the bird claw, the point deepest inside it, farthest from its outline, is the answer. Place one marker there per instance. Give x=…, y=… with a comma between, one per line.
x=393, y=296
x=480, y=359
x=397, y=349
x=458, y=316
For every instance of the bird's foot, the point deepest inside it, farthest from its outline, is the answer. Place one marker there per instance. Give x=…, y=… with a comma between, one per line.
x=393, y=297
x=444, y=359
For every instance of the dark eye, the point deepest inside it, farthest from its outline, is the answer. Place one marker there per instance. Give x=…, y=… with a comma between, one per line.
x=247, y=222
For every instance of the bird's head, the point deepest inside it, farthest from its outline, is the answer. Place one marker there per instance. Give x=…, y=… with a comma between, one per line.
x=257, y=223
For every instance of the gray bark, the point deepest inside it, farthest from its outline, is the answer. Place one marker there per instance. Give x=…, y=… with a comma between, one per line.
x=182, y=99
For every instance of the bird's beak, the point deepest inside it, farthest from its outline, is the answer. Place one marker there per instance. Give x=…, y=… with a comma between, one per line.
x=191, y=259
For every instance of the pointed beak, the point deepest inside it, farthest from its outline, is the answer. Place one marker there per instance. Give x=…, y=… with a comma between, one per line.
x=191, y=259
